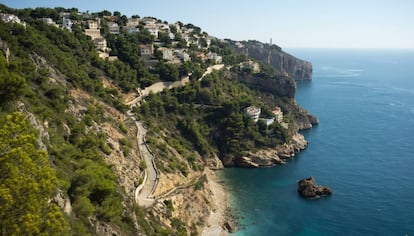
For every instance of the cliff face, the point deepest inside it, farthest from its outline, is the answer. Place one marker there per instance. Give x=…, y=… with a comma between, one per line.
x=281, y=61
x=282, y=86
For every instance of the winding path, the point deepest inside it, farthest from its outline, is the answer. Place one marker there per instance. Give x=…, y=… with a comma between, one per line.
x=144, y=196
x=144, y=192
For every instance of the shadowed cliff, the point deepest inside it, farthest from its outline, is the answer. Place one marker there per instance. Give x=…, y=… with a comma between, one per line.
x=280, y=85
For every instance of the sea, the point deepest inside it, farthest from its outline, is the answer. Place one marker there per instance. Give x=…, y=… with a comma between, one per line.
x=363, y=149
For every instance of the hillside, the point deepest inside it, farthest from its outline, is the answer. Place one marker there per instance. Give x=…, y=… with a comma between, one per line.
x=109, y=125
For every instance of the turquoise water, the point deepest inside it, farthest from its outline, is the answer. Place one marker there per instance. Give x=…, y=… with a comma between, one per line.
x=363, y=149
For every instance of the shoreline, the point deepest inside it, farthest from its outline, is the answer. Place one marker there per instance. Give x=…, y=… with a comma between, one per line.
x=220, y=218
x=221, y=222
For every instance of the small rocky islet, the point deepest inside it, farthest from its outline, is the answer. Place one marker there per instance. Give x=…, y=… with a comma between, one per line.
x=308, y=188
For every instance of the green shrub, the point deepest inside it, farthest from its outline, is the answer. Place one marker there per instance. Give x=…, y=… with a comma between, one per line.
x=122, y=127
x=105, y=148
x=142, y=165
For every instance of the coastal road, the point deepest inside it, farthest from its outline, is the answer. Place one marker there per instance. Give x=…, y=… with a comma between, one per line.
x=158, y=87
x=211, y=69
x=144, y=197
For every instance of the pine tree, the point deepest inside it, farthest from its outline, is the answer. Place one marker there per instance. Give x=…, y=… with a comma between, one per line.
x=27, y=183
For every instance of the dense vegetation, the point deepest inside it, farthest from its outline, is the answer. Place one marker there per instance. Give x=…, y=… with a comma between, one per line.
x=75, y=153
x=209, y=116
x=27, y=182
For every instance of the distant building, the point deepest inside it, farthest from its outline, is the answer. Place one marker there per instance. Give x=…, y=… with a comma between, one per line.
x=93, y=33
x=11, y=18
x=171, y=35
x=167, y=53
x=183, y=55
x=277, y=112
x=208, y=41
x=253, y=112
x=101, y=44
x=49, y=21
x=153, y=29
x=132, y=30
x=132, y=22
x=148, y=21
x=113, y=27
x=92, y=24
x=251, y=65
x=214, y=58
x=146, y=50
x=239, y=45
x=67, y=23
x=187, y=38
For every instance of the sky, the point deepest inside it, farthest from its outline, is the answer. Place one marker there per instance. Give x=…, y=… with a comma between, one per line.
x=290, y=23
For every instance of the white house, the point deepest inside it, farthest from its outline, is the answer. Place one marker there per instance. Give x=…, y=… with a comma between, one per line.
x=100, y=43
x=11, y=18
x=49, y=21
x=113, y=27
x=208, y=41
x=67, y=23
x=92, y=24
x=167, y=53
x=183, y=55
x=171, y=35
x=253, y=112
x=239, y=45
x=214, y=57
x=153, y=29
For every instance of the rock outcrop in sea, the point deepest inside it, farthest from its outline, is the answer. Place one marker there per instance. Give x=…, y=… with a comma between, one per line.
x=309, y=189
x=276, y=156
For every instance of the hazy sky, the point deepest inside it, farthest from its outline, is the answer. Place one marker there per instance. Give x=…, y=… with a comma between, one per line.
x=290, y=23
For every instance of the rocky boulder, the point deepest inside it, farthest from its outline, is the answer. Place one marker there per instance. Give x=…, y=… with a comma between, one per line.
x=309, y=189
x=261, y=158
x=229, y=226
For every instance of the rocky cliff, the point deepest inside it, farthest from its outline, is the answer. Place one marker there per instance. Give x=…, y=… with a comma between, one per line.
x=273, y=156
x=282, y=85
x=274, y=56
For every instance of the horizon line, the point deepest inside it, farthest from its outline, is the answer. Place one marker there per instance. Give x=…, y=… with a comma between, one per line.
x=349, y=48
